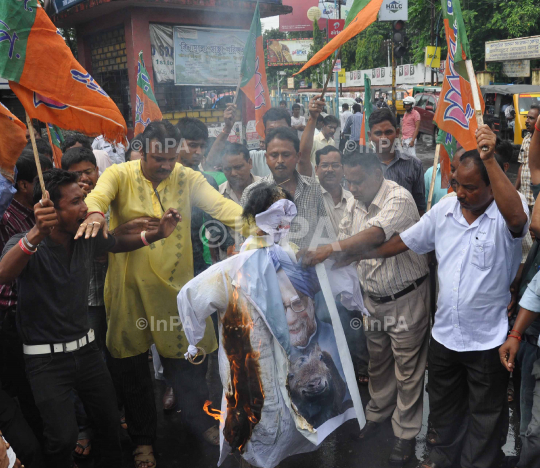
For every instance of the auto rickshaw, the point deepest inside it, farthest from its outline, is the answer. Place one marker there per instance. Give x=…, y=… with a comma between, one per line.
x=497, y=98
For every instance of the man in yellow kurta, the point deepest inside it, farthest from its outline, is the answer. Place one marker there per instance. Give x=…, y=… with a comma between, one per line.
x=141, y=287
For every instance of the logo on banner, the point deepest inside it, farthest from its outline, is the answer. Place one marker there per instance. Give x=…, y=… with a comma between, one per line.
x=455, y=111
x=139, y=111
x=48, y=102
x=88, y=80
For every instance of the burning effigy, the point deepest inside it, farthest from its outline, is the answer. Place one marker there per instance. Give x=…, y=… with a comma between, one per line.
x=287, y=381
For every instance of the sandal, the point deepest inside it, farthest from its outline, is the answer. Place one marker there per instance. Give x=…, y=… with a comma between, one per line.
x=212, y=435
x=83, y=436
x=144, y=455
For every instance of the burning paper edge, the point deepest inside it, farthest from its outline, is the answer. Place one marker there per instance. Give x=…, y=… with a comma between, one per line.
x=341, y=341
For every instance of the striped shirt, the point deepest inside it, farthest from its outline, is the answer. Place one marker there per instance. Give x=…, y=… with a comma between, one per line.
x=408, y=172
x=16, y=219
x=523, y=159
x=312, y=222
x=393, y=210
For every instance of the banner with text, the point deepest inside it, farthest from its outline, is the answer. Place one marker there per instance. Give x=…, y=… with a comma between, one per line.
x=513, y=49
x=162, y=46
x=288, y=52
x=393, y=10
x=208, y=57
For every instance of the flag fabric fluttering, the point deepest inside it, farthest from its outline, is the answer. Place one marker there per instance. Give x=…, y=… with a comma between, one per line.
x=12, y=141
x=253, y=73
x=146, y=108
x=50, y=83
x=455, y=113
x=368, y=108
x=447, y=151
x=361, y=15
x=56, y=139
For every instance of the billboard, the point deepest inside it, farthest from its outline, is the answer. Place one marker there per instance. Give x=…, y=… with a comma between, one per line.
x=392, y=10
x=513, y=49
x=297, y=20
x=208, y=57
x=288, y=52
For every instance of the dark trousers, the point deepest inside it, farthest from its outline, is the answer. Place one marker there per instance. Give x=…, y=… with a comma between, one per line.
x=467, y=402
x=17, y=432
x=530, y=451
x=13, y=374
x=133, y=382
x=528, y=354
x=52, y=378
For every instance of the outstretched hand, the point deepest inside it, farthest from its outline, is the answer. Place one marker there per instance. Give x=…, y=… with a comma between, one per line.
x=316, y=106
x=168, y=223
x=45, y=215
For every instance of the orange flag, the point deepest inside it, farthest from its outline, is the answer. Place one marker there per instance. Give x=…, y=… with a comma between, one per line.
x=455, y=113
x=51, y=85
x=253, y=72
x=146, y=109
x=12, y=141
x=361, y=15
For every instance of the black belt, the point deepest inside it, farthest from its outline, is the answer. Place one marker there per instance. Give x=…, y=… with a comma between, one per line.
x=393, y=297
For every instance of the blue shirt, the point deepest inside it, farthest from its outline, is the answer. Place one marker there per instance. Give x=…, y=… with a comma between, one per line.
x=477, y=264
x=354, y=125
x=438, y=192
x=531, y=297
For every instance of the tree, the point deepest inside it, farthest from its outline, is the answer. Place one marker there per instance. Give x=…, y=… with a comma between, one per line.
x=318, y=72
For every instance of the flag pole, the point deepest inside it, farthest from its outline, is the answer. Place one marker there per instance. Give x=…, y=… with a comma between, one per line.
x=433, y=176
x=476, y=96
x=329, y=74
x=36, y=155
x=238, y=88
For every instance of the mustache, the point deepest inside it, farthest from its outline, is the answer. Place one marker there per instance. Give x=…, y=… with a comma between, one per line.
x=281, y=166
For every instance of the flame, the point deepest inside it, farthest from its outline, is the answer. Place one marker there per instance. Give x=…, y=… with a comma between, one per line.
x=215, y=413
x=245, y=396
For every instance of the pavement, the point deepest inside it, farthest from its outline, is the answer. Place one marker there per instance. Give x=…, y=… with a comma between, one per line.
x=175, y=449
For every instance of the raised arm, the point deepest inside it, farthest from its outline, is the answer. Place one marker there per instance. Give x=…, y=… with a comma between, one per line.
x=304, y=166
x=534, y=154
x=229, y=116
x=15, y=259
x=505, y=194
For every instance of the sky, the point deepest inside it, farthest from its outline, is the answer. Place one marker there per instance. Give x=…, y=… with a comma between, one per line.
x=271, y=22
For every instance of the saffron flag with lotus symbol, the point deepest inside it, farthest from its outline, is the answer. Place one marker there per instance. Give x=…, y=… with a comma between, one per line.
x=253, y=73
x=146, y=108
x=51, y=85
x=455, y=114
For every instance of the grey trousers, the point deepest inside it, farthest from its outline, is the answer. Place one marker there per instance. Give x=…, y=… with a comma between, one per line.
x=397, y=339
x=530, y=452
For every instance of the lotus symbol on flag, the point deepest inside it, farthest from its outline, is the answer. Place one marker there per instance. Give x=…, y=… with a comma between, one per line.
x=48, y=102
x=87, y=79
x=259, y=89
x=455, y=111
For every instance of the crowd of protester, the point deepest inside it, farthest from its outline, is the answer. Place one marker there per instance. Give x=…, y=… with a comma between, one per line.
x=87, y=266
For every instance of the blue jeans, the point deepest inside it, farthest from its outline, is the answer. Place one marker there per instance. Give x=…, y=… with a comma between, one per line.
x=53, y=377
x=527, y=355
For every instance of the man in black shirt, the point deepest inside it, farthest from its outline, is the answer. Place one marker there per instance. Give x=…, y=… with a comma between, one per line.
x=52, y=272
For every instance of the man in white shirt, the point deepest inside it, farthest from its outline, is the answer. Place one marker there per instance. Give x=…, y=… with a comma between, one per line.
x=325, y=136
x=116, y=152
x=345, y=114
x=298, y=122
x=477, y=240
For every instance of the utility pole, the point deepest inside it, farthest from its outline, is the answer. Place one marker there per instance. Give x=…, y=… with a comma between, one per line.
x=393, y=83
x=337, y=9
x=432, y=35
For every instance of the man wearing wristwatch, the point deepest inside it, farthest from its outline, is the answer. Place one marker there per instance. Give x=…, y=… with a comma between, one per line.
x=51, y=269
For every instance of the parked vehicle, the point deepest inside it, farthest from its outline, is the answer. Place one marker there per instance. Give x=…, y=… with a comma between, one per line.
x=426, y=105
x=497, y=97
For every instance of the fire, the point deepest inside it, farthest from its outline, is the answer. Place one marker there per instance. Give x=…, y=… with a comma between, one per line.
x=215, y=413
x=245, y=397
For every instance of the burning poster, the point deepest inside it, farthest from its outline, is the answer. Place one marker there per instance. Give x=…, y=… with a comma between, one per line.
x=285, y=385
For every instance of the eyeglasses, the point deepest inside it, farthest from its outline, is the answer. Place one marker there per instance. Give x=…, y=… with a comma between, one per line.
x=296, y=304
x=326, y=166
